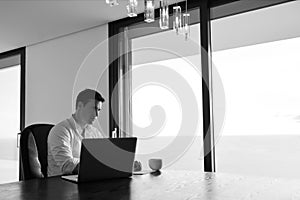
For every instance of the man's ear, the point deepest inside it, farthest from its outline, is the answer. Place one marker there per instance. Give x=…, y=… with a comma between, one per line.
x=79, y=105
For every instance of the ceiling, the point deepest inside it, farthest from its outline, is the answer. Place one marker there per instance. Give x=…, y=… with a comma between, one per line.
x=27, y=22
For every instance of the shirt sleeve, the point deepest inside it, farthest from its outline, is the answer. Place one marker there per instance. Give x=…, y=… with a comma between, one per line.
x=59, y=142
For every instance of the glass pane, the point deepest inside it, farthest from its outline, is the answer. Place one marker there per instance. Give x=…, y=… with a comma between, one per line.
x=259, y=71
x=167, y=99
x=9, y=123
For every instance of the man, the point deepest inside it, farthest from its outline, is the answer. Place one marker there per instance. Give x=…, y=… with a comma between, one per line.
x=64, y=140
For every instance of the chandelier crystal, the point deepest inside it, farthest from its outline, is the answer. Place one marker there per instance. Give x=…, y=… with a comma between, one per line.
x=132, y=8
x=177, y=23
x=112, y=2
x=186, y=22
x=186, y=25
x=149, y=11
x=164, y=14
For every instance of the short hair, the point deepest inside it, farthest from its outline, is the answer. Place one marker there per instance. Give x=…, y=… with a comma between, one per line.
x=88, y=94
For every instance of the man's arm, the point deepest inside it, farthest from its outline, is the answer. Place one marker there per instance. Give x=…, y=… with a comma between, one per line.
x=59, y=142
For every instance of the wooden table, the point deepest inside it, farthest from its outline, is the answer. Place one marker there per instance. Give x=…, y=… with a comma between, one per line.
x=165, y=185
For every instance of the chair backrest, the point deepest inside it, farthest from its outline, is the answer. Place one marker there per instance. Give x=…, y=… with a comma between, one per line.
x=34, y=151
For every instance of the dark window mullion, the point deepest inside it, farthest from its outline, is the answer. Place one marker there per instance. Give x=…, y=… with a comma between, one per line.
x=205, y=35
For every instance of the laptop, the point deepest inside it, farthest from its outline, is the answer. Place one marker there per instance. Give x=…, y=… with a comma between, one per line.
x=105, y=158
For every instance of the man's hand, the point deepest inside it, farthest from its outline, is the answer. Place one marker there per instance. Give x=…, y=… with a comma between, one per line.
x=137, y=166
x=76, y=169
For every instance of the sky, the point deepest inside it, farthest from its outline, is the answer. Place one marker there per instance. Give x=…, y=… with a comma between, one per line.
x=10, y=102
x=260, y=85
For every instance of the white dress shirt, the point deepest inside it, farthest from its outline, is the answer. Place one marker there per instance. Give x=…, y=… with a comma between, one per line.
x=64, y=144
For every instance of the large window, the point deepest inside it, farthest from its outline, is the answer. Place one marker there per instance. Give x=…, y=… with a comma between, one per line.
x=258, y=64
x=9, y=123
x=152, y=110
x=166, y=97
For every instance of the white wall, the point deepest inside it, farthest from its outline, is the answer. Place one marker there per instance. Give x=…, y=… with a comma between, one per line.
x=58, y=69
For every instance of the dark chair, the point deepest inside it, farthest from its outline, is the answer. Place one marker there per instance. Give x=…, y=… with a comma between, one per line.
x=34, y=151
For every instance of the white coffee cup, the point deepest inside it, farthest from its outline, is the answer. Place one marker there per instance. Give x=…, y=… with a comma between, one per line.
x=155, y=163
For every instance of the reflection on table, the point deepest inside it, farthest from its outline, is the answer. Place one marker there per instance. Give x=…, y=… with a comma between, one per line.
x=166, y=184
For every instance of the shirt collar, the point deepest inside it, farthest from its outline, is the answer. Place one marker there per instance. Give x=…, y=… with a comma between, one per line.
x=76, y=126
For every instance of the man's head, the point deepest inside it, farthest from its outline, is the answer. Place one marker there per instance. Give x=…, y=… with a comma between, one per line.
x=88, y=104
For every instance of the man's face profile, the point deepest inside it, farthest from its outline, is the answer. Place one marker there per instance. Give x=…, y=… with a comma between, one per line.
x=90, y=111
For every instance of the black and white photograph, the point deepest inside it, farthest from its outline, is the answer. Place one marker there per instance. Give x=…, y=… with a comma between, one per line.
x=150, y=99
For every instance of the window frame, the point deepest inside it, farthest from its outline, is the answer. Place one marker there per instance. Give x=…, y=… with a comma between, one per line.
x=209, y=10
x=22, y=53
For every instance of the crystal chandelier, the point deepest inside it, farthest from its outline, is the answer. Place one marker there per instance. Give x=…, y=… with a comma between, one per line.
x=181, y=22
